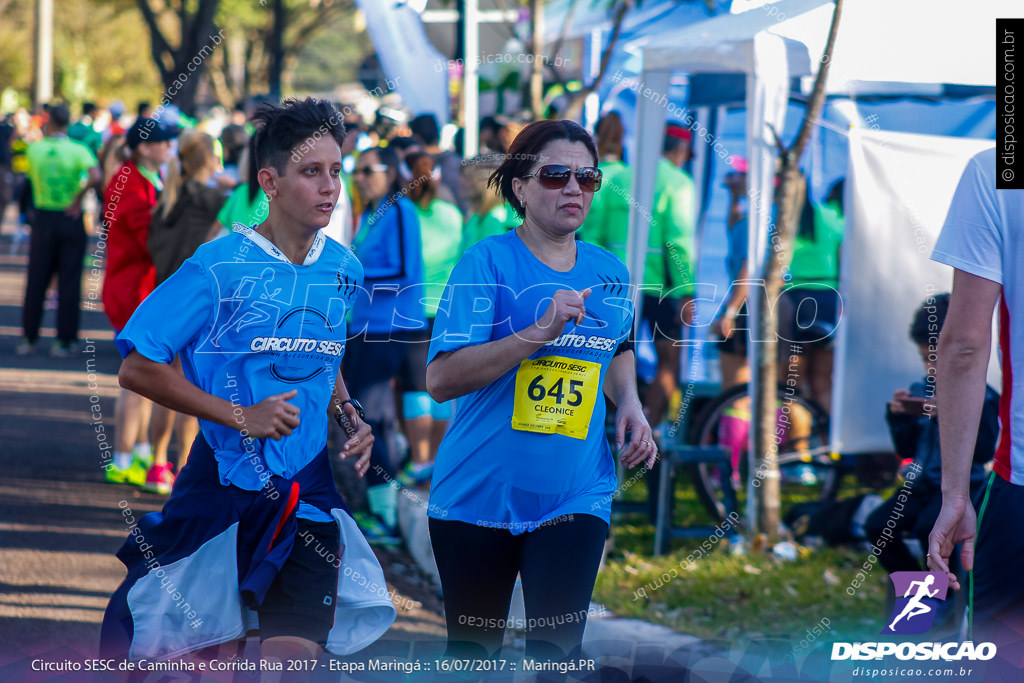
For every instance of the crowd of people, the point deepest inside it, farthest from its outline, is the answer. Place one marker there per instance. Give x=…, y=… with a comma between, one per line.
x=449, y=384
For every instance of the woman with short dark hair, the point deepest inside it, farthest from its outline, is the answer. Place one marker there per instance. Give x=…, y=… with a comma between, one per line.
x=532, y=332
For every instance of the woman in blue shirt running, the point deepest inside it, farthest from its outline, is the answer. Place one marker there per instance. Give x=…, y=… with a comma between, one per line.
x=388, y=319
x=532, y=333
x=258, y=319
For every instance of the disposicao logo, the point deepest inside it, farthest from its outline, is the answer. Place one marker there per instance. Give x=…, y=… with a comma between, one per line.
x=917, y=596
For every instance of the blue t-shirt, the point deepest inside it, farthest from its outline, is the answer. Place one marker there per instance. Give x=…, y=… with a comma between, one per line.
x=530, y=446
x=737, y=253
x=249, y=324
x=389, y=247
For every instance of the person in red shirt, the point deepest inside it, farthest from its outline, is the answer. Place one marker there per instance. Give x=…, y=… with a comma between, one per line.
x=129, y=202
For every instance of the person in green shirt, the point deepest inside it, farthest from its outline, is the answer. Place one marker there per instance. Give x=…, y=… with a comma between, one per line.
x=668, y=280
x=489, y=213
x=60, y=171
x=810, y=307
x=248, y=205
x=426, y=420
x=609, y=210
x=84, y=131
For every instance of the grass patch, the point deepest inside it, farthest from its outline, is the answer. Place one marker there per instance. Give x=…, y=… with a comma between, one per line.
x=737, y=597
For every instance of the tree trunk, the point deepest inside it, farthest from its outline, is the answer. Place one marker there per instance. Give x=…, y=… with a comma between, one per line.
x=275, y=45
x=790, y=189
x=182, y=68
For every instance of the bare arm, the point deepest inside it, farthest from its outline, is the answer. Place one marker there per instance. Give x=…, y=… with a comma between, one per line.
x=272, y=417
x=95, y=182
x=457, y=373
x=964, y=348
x=620, y=382
x=726, y=322
x=620, y=388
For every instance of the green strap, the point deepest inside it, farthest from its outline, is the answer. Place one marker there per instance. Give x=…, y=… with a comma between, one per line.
x=970, y=574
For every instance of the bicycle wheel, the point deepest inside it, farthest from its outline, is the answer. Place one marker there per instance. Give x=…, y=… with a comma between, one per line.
x=808, y=471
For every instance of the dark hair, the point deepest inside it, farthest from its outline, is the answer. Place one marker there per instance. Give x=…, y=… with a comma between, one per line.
x=59, y=116
x=403, y=144
x=88, y=108
x=426, y=129
x=525, y=150
x=490, y=123
x=143, y=106
x=233, y=139
x=389, y=158
x=422, y=188
x=280, y=130
x=929, y=319
x=609, y=134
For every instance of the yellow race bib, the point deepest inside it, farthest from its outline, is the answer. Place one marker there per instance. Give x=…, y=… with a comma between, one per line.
x=555, y=395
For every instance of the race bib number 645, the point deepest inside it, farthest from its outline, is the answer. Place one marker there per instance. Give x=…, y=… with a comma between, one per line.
x=555, y=395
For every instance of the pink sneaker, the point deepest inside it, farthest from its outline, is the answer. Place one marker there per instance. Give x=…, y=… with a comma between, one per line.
x=159, y=479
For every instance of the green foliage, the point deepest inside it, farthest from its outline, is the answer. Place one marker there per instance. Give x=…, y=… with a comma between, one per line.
x=97, y=51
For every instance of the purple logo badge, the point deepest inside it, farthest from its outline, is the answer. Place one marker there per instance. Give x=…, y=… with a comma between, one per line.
x=917, y=597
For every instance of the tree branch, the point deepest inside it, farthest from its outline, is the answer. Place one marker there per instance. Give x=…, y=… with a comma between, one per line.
x=159, y=47
x=817, y=99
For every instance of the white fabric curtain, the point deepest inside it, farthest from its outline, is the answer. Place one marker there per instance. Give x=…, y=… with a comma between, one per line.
x=898, y=191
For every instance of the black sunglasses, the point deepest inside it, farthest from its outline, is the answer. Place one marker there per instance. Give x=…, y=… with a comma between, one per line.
x=556, y=176
x=370, y=169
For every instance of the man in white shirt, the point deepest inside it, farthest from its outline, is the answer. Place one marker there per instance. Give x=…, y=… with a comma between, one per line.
x=983, y=240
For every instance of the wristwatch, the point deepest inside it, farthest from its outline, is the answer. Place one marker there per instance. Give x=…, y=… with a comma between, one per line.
x=355, y=404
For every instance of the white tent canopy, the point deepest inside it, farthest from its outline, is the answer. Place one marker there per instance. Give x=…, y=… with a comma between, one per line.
x=910, y=42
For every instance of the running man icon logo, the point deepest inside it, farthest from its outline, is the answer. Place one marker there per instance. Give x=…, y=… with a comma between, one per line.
x=917, y=596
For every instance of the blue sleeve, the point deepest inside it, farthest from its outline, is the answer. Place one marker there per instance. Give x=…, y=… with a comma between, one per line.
x=156, y=334
x=466, y=314
x=390, y=257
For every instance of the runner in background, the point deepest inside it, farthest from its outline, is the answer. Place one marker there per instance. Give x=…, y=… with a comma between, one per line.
x=60, y=171
x=668, y=278
x=181, y=223
x=388, y=321
x=610, y=208
x=129, y=201
x=425, y=420
x=489, y=213
x=809, y=306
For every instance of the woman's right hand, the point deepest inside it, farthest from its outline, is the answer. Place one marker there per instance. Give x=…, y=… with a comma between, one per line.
x=273, y=417
x=566, y=305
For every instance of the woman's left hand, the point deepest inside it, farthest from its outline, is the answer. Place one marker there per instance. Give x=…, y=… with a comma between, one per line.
x=641, y=446
x=360, y=445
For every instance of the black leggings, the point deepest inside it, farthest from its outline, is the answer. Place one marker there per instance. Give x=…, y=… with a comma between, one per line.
x=478, y=566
